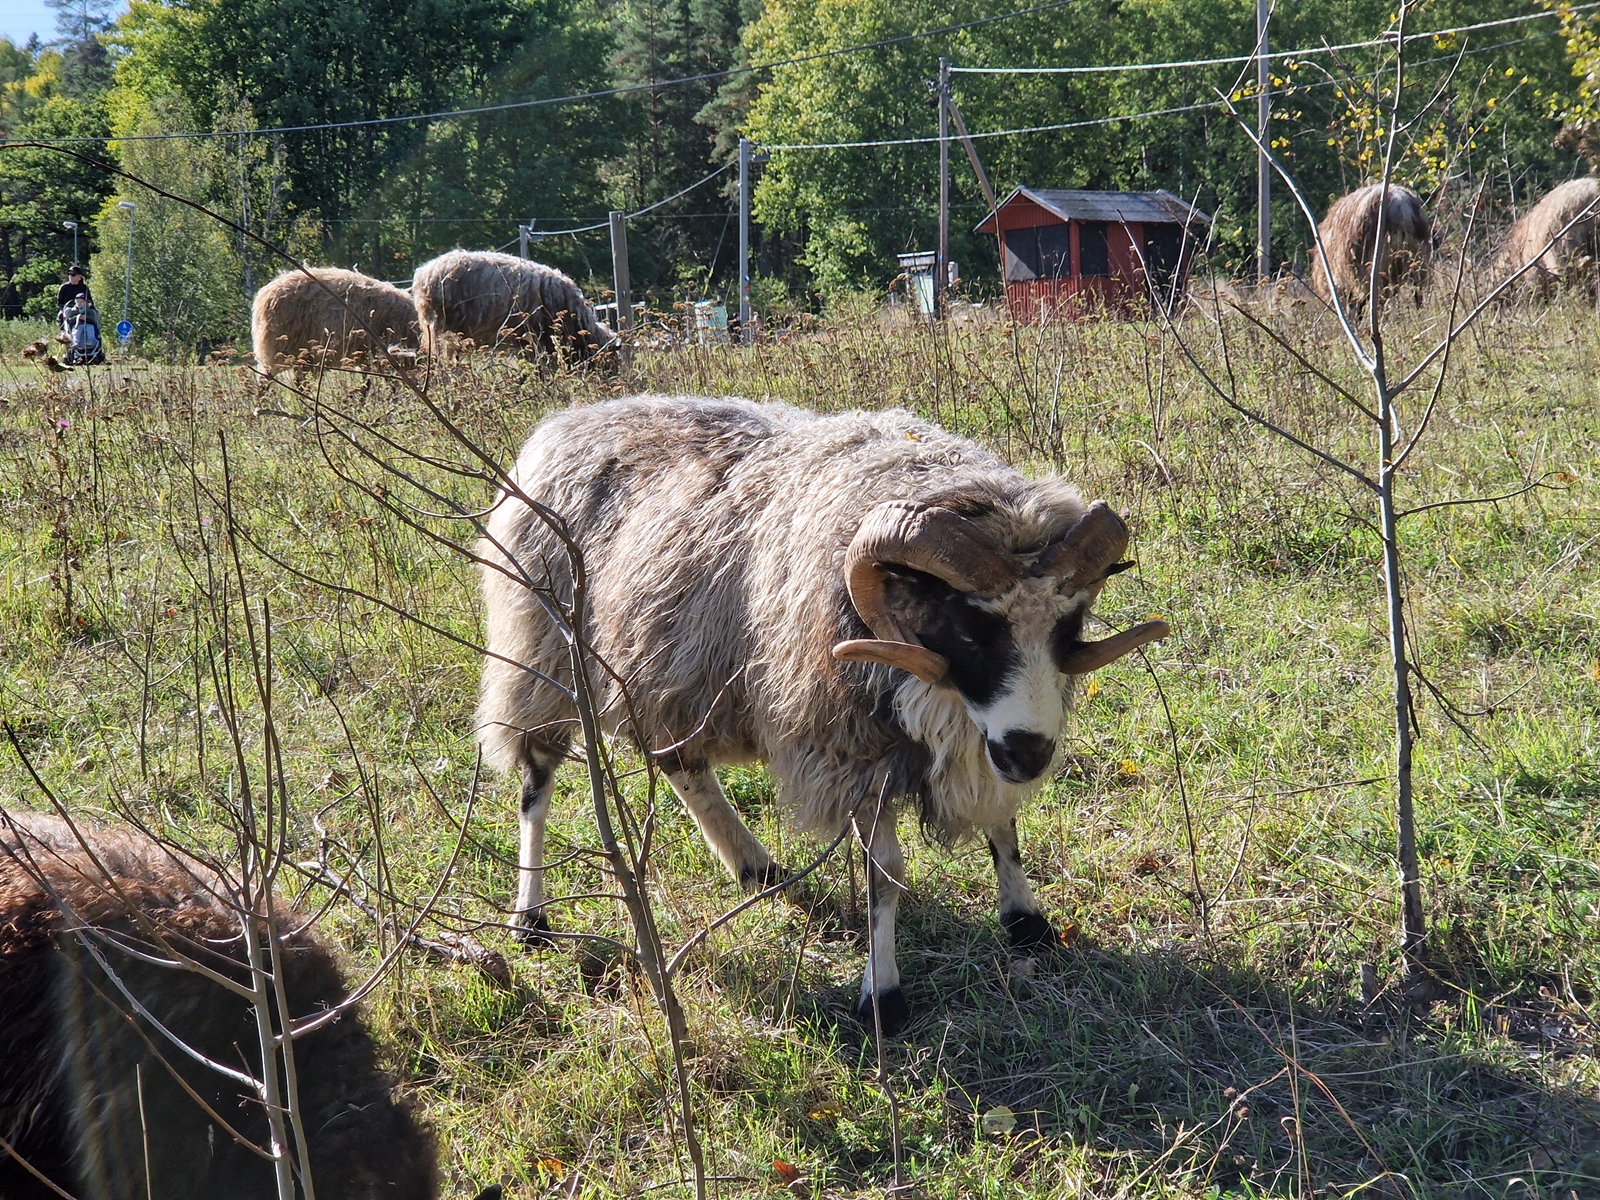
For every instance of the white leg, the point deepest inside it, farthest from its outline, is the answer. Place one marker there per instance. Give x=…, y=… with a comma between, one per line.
x=883, y=1003
x=725, y=832
x=538, y=782
x=1024, y=924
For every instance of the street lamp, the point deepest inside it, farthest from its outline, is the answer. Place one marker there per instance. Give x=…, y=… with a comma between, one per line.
x=127, y=287
x=72, y=225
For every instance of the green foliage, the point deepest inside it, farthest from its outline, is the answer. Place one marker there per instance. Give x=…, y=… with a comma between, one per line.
x=673, y=135
x=855, y=209
x=40, y=188
x=187, y=277
x=309, y=62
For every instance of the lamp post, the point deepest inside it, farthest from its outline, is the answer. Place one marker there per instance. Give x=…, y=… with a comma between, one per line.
x=127, y=286
x=72, y=225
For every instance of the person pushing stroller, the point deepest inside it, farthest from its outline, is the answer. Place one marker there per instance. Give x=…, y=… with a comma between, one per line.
x=79, y=319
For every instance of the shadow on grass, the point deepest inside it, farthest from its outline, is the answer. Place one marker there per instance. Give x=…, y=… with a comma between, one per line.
x=1213, y=1077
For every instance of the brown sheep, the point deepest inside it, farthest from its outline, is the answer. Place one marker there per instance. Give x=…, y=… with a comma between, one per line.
x=90, y=1095
x=1349, y=232
x=493, y=298
x=1559, y=258
x=321, y=313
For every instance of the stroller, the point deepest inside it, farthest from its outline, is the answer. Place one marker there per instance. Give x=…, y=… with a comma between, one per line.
x=80, y=329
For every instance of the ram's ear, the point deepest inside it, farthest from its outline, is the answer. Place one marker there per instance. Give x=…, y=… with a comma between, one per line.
x=918, y=660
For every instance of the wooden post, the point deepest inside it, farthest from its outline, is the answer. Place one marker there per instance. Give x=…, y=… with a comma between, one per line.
x=744, y=240
x=1264, y=133
x=941, y=260
x=972, y=155
x=522, y=240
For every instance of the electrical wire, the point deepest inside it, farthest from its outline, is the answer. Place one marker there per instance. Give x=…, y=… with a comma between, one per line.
x=1237, y=59
x=600, y=94
x=638, y=213
x=1096, y=121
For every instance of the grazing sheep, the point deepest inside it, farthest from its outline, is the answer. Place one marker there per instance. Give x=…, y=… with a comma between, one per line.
x=1559, y=258
x=872, y=606
x=101, y=1102
x=494, y=298
x=1349, y=234
x=325, y=312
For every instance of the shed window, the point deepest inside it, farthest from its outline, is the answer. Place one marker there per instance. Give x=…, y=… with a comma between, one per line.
x=1040, y=252
x=1093, y=257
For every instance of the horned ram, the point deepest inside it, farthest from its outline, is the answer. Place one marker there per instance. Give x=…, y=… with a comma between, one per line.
x=879, y=610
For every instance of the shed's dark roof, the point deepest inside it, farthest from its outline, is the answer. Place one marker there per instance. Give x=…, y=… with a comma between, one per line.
x=1150, y=208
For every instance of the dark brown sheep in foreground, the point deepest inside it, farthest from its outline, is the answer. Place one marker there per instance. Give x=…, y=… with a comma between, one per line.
x=74, y=1062
x=325, y=314
x=1349, y=234
x=1556, y=235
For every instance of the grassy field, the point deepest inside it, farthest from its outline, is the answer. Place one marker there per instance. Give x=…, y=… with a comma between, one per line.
x=1268, y=1052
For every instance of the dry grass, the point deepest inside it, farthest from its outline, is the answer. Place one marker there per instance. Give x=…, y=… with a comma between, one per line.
x=1146, y=1060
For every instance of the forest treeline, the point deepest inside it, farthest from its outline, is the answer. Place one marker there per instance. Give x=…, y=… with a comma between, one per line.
x=292, y=118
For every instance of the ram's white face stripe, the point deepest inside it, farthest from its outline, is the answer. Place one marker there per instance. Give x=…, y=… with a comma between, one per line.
x=1033, y=696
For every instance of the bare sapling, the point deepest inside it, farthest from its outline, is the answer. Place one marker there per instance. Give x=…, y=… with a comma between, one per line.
x=1397, y=435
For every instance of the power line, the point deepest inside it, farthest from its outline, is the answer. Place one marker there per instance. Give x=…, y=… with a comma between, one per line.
x=1238, y=59
x=600, y=94
x=1138, y=116
x=647, y=208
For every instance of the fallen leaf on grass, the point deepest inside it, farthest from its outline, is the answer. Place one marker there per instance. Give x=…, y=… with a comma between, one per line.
x=823, y=1114
x=1069, y=933
x=998, y=1121
x=787, y=1172
x=552, y=1167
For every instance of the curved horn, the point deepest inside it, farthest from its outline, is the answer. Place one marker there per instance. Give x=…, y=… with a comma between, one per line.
x=1086, y=553
x=918, y=660
x=937, y=541
x=1090, y=656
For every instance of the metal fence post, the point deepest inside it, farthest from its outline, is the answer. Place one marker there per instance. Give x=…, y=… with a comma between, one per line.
x=941, y=261
x=1264, y=133
x=744, y=240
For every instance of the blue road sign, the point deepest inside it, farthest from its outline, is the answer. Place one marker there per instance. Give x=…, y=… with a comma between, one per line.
x=124, y=330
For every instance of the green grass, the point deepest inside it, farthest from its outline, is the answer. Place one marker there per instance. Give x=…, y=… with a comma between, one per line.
x=1149, y=1059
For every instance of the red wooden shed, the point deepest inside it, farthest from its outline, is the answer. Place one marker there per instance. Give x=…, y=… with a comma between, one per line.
x=1066, y=254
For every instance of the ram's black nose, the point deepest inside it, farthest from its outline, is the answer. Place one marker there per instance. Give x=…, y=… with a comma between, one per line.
x=1021, y=755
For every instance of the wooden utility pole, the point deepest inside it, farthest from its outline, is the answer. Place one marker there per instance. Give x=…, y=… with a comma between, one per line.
x=1264, y=133
x=941, y=260
x=744, y=240
x=619, y=270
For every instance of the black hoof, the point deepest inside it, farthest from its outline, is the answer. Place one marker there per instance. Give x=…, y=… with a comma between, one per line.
x=1029, y=931
x=533, y=932
x=759, y=879
x=892, y=1015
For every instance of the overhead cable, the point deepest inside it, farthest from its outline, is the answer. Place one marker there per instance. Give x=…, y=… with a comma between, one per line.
x=933, y=140
x=573, y=98
x=1237, y=59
